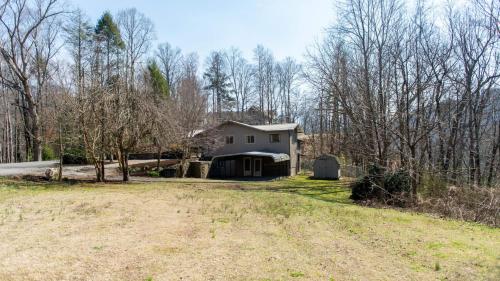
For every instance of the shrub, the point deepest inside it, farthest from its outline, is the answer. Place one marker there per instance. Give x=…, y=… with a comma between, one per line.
x=433, y=185
x=389, y=187
x=368, y=187
x=154, y=174
x=74, y=156
x=476, y=204
x=363, y=189
x=48, y=153
x=397, y=182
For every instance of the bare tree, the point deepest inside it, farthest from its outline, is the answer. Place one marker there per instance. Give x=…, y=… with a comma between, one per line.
x=265, y=82
x=401, y=91
x=170, y=60
x=240, y=76
x=478, y=69
x=288, y=72
x=137, y=32
x=20, y=22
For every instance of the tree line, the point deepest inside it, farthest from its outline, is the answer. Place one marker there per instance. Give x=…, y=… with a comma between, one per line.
x=402, y=87
x=390, y=83
x=103, y=88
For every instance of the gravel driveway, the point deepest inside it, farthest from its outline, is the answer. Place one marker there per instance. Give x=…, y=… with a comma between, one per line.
x=26, y=168
x=69, y=171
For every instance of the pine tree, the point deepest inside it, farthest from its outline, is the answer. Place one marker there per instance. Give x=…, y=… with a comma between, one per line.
x=109, y=31
x=158, y=82
x=218, y=81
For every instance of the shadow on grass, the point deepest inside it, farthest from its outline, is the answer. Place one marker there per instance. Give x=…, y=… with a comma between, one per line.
x=332, y=191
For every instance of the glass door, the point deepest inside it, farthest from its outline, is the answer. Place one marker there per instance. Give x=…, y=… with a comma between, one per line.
x=247, y=167
x=257, y=167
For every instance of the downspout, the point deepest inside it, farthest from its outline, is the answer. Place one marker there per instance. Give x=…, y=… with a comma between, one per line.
x=290, y=153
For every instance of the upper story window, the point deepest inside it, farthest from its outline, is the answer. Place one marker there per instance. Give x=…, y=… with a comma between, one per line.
x=250, y=139
x=274, y=138
x=229, y=139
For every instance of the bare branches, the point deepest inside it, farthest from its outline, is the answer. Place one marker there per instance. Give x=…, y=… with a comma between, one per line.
x=138, y=32
x=170, y=60
x=405, y=92
x=21, y=48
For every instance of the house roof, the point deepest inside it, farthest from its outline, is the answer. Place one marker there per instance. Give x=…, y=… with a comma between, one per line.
x=277, y=157
x=267, y=128
x=263, y=128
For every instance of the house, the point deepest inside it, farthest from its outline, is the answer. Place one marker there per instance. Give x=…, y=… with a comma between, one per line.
x=255, y=150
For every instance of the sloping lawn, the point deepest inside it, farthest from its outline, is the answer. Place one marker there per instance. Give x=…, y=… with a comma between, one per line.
x=293, y=229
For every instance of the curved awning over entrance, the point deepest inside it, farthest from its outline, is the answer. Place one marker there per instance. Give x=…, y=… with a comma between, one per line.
x=277, y=157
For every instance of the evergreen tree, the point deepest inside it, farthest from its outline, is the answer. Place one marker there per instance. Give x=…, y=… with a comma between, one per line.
x=158, y=82
x=218, y=82
x=109, y=31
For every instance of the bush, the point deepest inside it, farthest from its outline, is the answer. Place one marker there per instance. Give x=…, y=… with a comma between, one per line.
x=364, y=189
x=397, y=182
x=368, y=187
x=433, y=185
x=48, y=153
x=154, y=174
x=389, y=187
x=74, y=156
x=476, y=204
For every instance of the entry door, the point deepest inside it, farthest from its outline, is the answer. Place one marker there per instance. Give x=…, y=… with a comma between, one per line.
x=247, y=167
x=257, y=167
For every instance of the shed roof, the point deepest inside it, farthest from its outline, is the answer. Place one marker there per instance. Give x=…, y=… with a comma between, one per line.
x=328, y=157
x=277, y=157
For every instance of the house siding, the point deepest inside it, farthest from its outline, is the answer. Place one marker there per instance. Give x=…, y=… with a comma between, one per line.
x=262, y=142
x=288, y=143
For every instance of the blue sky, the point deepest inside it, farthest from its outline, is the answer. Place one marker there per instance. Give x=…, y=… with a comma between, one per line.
x=286, y=27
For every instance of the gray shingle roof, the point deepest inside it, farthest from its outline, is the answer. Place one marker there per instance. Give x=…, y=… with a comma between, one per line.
x=271, y=127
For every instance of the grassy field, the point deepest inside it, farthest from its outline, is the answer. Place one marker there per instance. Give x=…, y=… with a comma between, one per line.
x=294, y=229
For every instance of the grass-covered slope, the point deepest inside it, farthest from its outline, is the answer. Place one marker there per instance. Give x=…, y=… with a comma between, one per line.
x=294, y=229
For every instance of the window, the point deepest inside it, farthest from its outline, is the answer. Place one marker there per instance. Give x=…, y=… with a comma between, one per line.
x=250, y=139
x=229, y=139
x=274, y=138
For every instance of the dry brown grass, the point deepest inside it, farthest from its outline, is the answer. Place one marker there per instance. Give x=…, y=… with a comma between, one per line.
x=195, y=231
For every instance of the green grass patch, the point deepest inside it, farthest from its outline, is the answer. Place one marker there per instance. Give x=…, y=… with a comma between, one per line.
x=335, y=191
x=296, y=274
x=435, y=245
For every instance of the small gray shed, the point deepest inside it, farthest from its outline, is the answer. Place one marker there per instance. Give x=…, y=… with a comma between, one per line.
x=327, y=167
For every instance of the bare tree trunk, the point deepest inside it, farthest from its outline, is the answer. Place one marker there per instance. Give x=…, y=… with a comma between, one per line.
x=321, y=129
x=61, y=154
x=158, y=158
x=124, y=166
x=494, y=153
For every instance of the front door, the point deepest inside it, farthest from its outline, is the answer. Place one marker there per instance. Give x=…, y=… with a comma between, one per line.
x=257, y=167
x=247, y=166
